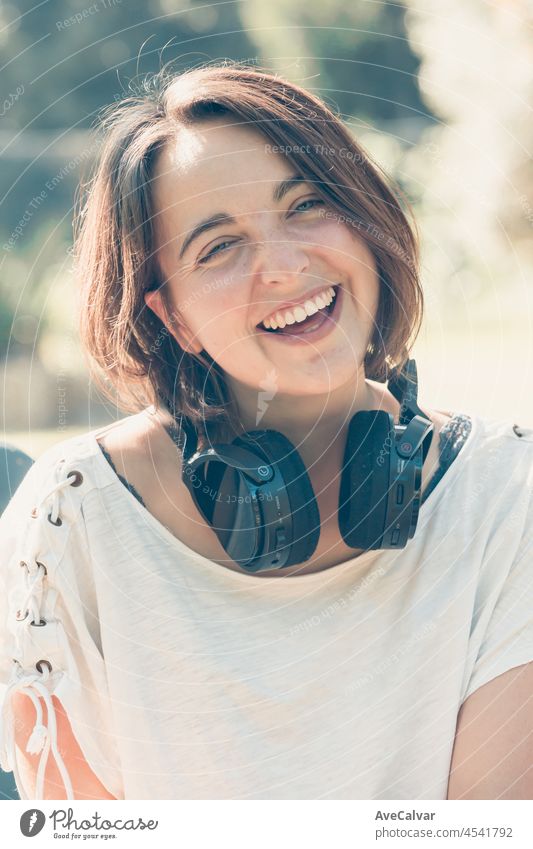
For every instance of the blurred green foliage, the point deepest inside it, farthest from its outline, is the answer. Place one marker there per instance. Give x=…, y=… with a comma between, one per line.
x=438, y=96
x=65, y=60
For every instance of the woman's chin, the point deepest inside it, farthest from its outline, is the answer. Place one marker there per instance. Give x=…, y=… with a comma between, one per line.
x=303, y=382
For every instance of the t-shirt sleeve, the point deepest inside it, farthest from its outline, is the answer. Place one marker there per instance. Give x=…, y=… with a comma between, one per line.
x=49, y=629
x=502, y=635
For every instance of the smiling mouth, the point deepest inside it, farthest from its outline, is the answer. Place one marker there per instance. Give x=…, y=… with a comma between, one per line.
x=307, y=325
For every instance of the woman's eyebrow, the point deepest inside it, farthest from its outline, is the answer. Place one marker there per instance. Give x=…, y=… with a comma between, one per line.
x=219, y=218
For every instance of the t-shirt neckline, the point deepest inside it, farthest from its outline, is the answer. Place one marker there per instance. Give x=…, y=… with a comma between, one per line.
x=425, y=511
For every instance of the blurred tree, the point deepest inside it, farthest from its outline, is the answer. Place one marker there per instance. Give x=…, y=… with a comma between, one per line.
x=473, y=172
x=65, y=60
x=74, y=56
x=62, y=60
x=356, y=55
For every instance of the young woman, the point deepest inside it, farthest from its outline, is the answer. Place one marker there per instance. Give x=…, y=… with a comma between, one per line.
x=229, y=212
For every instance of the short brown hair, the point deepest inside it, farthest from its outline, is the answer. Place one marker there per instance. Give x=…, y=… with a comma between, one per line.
x=115, y=243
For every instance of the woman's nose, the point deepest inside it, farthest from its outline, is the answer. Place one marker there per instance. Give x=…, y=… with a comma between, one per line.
x=277, y=257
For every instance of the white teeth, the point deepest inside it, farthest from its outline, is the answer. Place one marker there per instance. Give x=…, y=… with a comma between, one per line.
x=300, y=312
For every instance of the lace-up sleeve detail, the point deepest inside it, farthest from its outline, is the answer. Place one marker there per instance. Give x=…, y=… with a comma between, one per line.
x=48, y=637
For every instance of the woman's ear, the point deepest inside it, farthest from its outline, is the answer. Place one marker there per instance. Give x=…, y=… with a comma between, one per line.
x=175, y=326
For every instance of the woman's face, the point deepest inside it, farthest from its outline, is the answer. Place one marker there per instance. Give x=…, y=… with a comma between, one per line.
x=265, y=251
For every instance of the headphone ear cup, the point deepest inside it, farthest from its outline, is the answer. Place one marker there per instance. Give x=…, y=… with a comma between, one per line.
x=365, y=479
x=280, y=452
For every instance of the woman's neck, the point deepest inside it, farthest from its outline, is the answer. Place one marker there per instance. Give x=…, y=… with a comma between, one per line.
x=316, y=427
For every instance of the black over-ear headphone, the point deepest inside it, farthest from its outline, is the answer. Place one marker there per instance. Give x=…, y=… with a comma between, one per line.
x=257, y=496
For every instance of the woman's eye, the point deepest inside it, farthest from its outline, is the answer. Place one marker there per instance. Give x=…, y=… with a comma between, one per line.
x=214, y=250
x=222, y=246
x=309, y=200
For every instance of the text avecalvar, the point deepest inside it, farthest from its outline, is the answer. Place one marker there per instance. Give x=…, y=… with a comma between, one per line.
x=405, y=815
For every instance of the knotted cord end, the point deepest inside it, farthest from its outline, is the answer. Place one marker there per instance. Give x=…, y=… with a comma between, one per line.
x=37, y=740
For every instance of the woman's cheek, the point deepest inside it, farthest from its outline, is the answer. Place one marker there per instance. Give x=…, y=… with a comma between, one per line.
x=217, y=330
x=330, y=233
x=346, y=238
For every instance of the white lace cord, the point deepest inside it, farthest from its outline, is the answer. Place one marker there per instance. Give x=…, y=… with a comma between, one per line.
x=42, y=739
x=54, y=513
x=31, y=603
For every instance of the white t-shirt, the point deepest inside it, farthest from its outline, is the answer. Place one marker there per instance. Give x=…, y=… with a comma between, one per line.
x=183, y=679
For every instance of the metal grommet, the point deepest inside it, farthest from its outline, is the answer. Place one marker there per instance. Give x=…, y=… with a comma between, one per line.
x=58, y=522
x=38, y=624
x=517, y=432
x=78, y=478
x=39, y=663
x=19, y=616
x=38, y=562
x=34, y=513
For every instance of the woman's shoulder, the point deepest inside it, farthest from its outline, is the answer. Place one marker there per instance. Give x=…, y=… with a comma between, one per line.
x=41, y=522
x=500, y=433
x=486, y=429
x=497, y=451
x=131, y=435
x=139, y=449
x=43, y=475
x=70, y=465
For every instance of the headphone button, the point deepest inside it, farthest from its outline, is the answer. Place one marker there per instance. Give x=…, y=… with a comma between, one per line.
x=280, y=537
